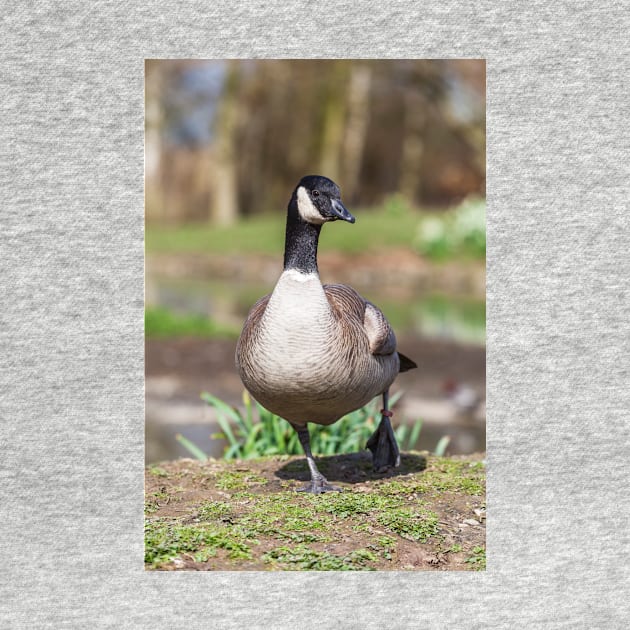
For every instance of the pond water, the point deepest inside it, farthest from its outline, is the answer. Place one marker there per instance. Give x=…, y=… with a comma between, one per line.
x=435, y=316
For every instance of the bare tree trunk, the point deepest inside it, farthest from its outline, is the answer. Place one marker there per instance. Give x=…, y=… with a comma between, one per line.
x=356, y=130
x=413, y=147
x=154, y=153
x=334, y=117
x=224, y=206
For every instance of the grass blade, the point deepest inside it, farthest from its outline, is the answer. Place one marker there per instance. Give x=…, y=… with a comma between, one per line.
x=401, y=435
x=441, y=446
x=191, y=447
x=247, y=418
x=415, y=434
x=227, y=430
x=218, y=404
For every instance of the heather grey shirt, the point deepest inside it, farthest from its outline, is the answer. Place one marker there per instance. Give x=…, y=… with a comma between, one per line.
x=71, y=167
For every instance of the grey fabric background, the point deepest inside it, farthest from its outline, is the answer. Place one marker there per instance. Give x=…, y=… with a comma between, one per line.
x=71, y=359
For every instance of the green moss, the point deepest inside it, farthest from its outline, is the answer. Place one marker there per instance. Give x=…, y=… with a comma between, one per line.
x=158, y=472
x=234, y=480
x=384, y=545
x=478, y=559
x=302, y=557
x=447, y=475
x=243, y=495
x=348, y=504
x=165, y=541
x=214, y=510
x=302, y=537
x=205, y=555
x=417, y=524
x=368, y=520
x=154, y=501
x=278, y=516
x=443, y=475
x=272, y=515
x=158, y=495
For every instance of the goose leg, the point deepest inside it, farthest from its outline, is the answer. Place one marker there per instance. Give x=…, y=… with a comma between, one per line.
x=318, y=483
x=382, y=443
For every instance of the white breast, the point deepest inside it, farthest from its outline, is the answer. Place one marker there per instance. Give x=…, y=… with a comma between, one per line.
x=296, y=326
x=302, y=364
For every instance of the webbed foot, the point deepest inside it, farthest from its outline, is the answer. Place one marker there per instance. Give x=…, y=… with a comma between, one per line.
x=382, y=443
x=319, y=485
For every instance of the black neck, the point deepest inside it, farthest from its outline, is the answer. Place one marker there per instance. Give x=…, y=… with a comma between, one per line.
x=300, y=245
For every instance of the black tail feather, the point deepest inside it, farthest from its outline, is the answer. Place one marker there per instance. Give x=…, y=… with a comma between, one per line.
x=406, y=363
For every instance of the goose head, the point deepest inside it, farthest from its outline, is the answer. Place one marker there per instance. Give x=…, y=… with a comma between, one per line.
x=317, y=200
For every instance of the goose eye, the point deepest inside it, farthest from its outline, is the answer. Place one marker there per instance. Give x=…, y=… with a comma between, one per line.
x=315, y=193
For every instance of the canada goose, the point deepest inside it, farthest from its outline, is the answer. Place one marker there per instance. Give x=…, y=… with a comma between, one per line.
x=312, y=353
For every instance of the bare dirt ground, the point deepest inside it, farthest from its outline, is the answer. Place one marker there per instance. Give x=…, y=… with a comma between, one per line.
x=429, y=514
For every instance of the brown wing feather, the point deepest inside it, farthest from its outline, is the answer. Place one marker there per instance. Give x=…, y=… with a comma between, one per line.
x=251, y=326
x=382, y=337
x=347, y=302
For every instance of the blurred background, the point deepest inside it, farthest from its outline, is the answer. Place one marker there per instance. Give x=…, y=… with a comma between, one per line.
x=227, y=141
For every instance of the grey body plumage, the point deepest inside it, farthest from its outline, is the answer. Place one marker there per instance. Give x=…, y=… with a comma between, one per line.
x=310, y=352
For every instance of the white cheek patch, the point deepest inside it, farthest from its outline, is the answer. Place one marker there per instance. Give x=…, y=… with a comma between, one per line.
x=307, y=209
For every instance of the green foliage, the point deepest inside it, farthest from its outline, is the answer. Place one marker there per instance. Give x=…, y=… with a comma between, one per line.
x=242, y=523
x=374, y=230
x=397, y=207
x=158, y=471
x=419, y=524
x=274, y=515
x=165, y=541
x=478, y=559
x=455, y=233
x=161, y=322
x=256, y=432
x=416, y=523
x=302, y=520
x=459, y=232
x=191, y=447
x=445, y=475
x=214, y=511
x=465, y=319
x=442, y=445
x=263, y=234
x=303, y=558
x=344, y=505
x=235, y=480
